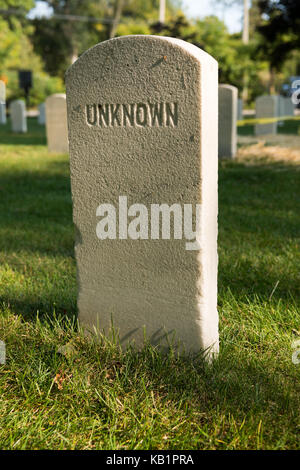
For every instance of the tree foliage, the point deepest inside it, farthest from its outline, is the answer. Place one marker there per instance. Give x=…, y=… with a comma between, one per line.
x=49, y=45
x=17, y=52
x=280, y=30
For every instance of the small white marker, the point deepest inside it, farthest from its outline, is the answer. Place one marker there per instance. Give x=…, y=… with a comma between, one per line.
x=2, y=352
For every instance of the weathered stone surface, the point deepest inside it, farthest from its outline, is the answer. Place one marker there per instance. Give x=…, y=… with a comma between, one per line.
x=228, y=96
x=42, y=114
x=2, y=103
x=267, y=106
x=142, y=118
x=18, y=116
x=56, y=123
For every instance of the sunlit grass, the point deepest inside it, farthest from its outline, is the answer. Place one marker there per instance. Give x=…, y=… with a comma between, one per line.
x=93, y=396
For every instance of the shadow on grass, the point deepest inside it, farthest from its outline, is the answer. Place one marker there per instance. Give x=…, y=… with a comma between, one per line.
x=37, y=241
x=259, y=225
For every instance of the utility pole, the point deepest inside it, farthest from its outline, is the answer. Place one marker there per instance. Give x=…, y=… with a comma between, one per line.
x=162, y=11
x=245, y=36
x=245, y=39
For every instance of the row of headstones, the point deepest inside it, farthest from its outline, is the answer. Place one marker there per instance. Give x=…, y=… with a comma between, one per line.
x=230, y=110
x=53, y=113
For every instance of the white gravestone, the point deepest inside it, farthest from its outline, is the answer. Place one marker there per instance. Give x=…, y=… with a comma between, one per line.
x=228, y=96
x=267, y=106
x=142, y=118
x=42, y=114
x=18, y=116
x=2, y=103
x=56, y=123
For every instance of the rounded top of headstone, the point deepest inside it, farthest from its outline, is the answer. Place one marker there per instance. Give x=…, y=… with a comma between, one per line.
x=227, y=86
x=56, y=95
x=267, y=97
x=18, y=102
x=146, y=41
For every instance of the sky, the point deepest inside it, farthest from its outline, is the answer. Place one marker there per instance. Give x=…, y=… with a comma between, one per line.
x=192, y=8
x=232, y=17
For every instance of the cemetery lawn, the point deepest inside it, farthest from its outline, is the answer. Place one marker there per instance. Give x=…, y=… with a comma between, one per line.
x=89, y=395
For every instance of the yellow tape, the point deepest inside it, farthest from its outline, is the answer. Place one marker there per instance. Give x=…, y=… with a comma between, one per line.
x=246, y=122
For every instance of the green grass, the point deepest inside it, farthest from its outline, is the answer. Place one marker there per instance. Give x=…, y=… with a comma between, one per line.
x=97, y=397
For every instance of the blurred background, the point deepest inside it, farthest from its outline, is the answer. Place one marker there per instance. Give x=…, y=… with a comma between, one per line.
x=255, y=42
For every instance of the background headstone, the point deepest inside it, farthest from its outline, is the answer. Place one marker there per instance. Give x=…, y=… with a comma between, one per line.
x=228, y=96
x=42, y=114
x=124, y=141
x=240, y=109
x=266, y=106
x=2, y=103
x=56, y=123
x=286, y=106
x=18, y=116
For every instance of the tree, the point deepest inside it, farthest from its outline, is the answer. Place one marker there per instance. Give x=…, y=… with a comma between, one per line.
x=255, y=19
x=16, y=52
x=14, y=28
x=75, y=26
x=178, y=27
x=280, y=33
x=62, y=37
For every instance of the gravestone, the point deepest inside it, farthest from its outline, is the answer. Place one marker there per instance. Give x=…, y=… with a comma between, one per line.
x=286, y=106
x=142, y=118
x=240, y=109
x=2, y=103
x=228, y=96
x=289, y=107
x=266, y=106
x=42, y=114
x=56, y=123
x=18, y=116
